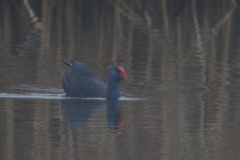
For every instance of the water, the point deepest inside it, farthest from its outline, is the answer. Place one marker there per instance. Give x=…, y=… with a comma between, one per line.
x=181, y=101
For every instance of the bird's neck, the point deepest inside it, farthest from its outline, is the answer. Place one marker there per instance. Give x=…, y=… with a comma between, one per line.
x=113, y=89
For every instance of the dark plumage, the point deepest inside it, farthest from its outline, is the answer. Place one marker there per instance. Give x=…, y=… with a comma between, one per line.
x=79, y=81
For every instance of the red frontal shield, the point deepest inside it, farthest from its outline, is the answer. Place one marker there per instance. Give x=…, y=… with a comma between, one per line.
x=123, y=74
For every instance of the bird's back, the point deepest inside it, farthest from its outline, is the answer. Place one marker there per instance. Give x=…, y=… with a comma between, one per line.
x=79, y=81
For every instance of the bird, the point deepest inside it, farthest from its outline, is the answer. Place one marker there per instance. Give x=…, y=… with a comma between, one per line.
x=79, y=81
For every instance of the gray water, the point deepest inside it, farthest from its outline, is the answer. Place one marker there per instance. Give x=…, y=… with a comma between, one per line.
x=181, y=101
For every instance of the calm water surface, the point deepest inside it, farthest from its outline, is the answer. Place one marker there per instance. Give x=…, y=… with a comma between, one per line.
x=181, y=101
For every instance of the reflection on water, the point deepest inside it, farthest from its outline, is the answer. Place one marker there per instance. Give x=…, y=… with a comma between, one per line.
x=77, y=112
x=183, y=57
x=114, y=120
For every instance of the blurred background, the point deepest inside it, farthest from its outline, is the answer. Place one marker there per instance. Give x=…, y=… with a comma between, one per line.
x=181, y=56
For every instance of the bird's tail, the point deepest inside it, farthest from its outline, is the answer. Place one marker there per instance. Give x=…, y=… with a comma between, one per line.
x=66, y=64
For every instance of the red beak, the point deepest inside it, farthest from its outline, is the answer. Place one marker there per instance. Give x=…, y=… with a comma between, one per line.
x=123, y=74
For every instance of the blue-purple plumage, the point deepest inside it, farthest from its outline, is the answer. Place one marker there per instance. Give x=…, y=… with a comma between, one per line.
x=79, y=81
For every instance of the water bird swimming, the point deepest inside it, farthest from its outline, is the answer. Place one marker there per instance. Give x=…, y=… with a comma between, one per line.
x=79, y=81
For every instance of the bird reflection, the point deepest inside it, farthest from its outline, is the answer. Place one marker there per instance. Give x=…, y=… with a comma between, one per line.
x=77, y=112
x=115, y=121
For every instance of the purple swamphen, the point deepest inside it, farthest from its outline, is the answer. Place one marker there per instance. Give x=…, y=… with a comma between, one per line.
x=79, y=81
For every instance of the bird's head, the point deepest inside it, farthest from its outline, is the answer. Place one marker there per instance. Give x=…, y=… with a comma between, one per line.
x=117, y=73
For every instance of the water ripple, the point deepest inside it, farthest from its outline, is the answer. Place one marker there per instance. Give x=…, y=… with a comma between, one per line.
x=58, y=96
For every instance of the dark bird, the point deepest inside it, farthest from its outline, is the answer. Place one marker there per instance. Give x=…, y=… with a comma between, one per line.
x=79, y=81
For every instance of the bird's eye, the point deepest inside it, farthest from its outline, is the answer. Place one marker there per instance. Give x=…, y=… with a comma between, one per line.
x=117, y=70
